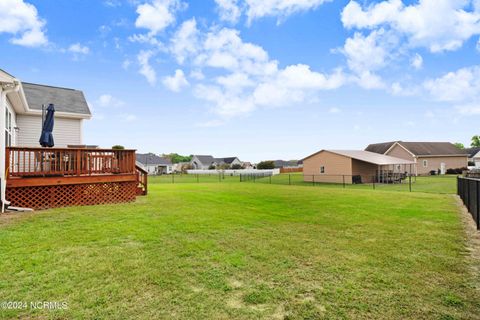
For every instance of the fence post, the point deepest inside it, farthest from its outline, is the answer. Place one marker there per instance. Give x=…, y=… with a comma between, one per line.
x=478, y=204
x=343, y=178
x=198, y=180
x=289, y=180
x=313, y=180
x=173, y=178
x=219, y=177
x=410, y=182
x=270, y=179
x=373, y=182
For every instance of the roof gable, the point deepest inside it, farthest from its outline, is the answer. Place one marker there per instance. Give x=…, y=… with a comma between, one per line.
x=65, y=100
x=380, y=147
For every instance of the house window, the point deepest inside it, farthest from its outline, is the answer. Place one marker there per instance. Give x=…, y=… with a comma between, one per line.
x=8, y=128
x=322, y=169
x=425, y=163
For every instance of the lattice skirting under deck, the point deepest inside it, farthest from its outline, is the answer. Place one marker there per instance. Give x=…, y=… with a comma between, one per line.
x=72, y=195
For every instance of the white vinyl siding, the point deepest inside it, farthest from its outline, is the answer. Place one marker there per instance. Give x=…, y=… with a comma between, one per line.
x=65, y=131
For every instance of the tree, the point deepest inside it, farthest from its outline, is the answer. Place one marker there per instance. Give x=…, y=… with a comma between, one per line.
x=118, y=147
x=177, y=158
x=236, y=166
x=212, y=167
x=475, y=141
x=459, y=145
x=266, y=165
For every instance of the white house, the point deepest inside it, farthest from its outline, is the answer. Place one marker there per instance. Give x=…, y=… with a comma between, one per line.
x=204, y=162
x=154, y=164
x=21, y=116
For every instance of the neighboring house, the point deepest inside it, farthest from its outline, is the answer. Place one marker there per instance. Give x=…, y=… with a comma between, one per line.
x=429, y=156
x=354, y=166
x=21, y=116
x=180, y=166
x=473, y=156
x=204, y=162
x=154, y=164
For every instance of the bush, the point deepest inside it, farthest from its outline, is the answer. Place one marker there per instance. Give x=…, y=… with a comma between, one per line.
x=456, y=170
x=211, y=167
x=266, y=165
x=236, y=166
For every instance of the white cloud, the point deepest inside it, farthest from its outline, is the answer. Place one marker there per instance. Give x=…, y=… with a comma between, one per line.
x=469, y=110
x=176, y=82
x=229, y=10
x=478, y=45
x=108, y=101
x=368, y=54
x=457, y=86
x=21, y=19
x=145, y=68
x=185, y=40
x=77, y=48
x=278, y=8
x=126, y=64
x=438, y=25
x=334, y=110
x=127, y=117
x=157, y=14
x=417, y=61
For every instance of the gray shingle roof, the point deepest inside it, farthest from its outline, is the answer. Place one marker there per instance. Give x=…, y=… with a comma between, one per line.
x=227, y=160
x=64, y=99
x=205, y=159
x=152, y=159
x=419, y=148
x=472, y=151
x=379, y=147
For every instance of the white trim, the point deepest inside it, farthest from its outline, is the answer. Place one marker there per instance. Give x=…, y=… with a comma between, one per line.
x=397, y=143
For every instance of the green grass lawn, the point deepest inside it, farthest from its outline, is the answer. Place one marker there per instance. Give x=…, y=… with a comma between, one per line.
x=243, y=251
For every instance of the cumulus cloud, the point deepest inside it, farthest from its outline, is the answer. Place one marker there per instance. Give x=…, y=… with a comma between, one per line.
x=108, y=101
x=176, y=82
x=456, y=86
x=367, y=54
x=157, y=14
x=185, y=40
x=278, y=8
x=229, y=10
x=77, y=48
x=461, y=88
x=439, y=25
x=146, y=69
x=22, y=20
x=417, y=61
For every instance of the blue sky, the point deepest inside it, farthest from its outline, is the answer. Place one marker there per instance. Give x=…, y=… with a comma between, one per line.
x=256, y=79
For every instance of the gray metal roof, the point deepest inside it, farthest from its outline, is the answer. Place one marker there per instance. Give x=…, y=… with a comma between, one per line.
x=367, y=156
x=64, y=99
x=152, y=159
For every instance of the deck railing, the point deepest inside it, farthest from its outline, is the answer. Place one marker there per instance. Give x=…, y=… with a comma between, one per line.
x=42, y=162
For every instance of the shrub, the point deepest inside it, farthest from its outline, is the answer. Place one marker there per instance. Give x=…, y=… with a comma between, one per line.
x=236, y=166
x=266, y=165
x=211, y=167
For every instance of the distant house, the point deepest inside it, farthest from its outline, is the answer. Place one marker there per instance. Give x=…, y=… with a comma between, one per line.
x=154, y=164
x=429, y=156
x=473, y=156
x=354, y=166
x=204, y=162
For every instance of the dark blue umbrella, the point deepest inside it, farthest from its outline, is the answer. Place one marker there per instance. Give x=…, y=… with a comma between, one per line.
x=46, y=139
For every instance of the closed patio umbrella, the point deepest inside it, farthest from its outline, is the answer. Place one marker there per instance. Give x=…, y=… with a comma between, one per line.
x=46, y=139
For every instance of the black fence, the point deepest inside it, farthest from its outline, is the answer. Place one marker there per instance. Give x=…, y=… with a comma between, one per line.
x=469, y=191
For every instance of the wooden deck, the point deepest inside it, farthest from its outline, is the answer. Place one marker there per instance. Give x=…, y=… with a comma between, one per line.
x=55, y=177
